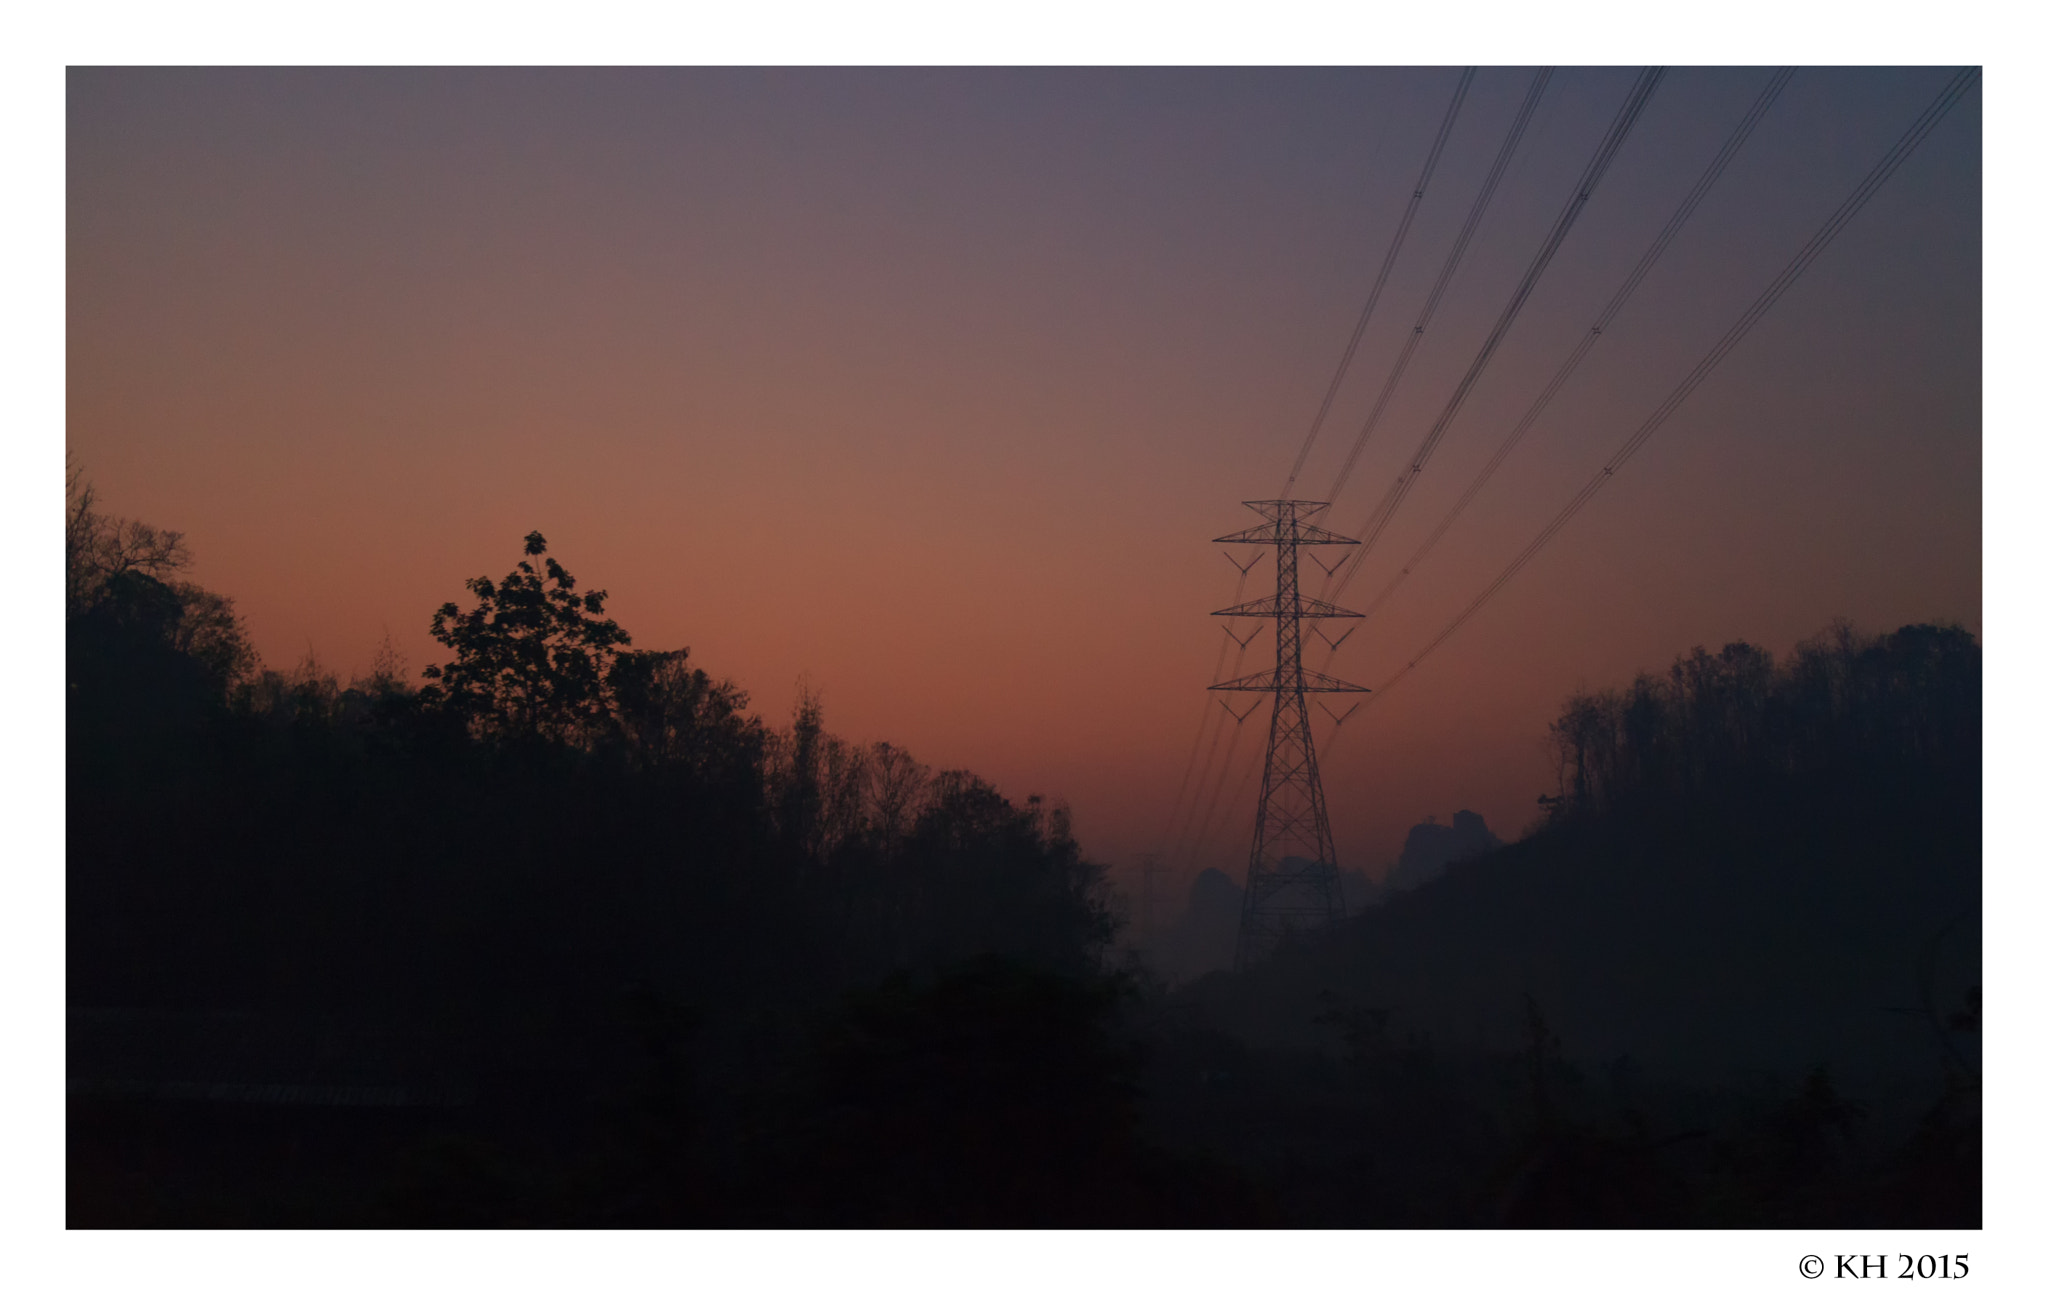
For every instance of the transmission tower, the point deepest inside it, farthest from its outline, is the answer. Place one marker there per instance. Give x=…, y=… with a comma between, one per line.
x=1292, y=881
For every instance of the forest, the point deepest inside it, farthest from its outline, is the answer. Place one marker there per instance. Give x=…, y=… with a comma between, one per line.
x=559, y=932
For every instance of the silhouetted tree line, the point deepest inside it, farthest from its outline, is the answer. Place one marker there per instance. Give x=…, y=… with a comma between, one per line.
x=675, y=965
x=547, y=750
x=1846, y=709
x=582, y=883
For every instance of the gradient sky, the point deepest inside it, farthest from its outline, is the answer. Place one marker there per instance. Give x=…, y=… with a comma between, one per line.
x=933, y=386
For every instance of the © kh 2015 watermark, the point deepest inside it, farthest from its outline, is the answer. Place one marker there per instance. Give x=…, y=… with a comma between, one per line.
x=1886, y=1265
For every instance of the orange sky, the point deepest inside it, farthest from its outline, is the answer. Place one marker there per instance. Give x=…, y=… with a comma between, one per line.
x=934, y=386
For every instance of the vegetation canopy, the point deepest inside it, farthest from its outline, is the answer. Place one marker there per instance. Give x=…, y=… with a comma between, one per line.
x=533, y=658
x=604, y=947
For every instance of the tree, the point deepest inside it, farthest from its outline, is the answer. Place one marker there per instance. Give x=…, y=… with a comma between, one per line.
x=533, y=658
x=120, y=600
x=1845, y=708
x=671, y=714
x=98, y=548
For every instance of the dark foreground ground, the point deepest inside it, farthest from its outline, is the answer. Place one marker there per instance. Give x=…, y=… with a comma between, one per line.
x=927, y=1125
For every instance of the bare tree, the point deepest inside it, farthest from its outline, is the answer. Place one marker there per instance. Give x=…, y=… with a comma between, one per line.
x=98, y=548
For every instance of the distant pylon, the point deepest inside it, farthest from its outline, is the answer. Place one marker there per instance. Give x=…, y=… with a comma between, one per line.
x=1291, y=883
x=1148, y=922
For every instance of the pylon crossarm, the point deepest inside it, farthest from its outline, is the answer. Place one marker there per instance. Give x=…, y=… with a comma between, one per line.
x=1311, y=682
x=1302, y=533
x=1316, y=609
x=1317, y=682
x=1311, y=609
x=1274, y=510
x=1259, y=683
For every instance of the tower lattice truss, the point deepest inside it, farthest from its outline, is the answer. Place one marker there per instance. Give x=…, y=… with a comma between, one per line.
x=1291, y=883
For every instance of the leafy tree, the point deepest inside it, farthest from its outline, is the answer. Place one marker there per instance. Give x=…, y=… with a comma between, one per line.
x=672, y=714
x=533, y=658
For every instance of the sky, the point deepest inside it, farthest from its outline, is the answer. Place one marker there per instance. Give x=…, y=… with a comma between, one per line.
x=931, y=388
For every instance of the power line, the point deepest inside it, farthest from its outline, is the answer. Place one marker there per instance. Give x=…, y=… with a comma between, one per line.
x=1625, y=119
x=1443, y=278
x=1829, y=230
x=1209, y=815
x=1215, y=801
x=1229, y=803
x=1180, y=835
x=1180, y=845
x=1443, y=134
x=1692, y=200
x=1215, y=675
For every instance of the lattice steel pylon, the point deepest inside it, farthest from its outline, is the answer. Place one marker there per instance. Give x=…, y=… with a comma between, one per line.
x=1291, y=883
